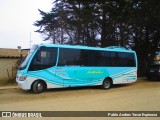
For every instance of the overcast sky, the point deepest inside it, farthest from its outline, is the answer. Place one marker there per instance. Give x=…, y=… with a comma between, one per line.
x=16, y=22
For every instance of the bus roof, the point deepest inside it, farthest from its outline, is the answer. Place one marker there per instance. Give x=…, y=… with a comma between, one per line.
x=110, y=48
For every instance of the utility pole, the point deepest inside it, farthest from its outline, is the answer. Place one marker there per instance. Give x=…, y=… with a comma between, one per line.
x=20, y=53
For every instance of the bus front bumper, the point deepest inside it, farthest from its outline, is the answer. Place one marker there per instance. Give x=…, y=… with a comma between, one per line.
x=22, y=84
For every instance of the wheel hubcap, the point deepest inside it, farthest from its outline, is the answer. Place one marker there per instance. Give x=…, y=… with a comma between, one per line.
x=106, y=84
x=39, y=87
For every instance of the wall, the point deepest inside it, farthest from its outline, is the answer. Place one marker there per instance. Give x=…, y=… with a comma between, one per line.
x=8, y=68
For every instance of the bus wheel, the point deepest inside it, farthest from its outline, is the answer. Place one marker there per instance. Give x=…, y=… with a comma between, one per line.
x=38, y=87
x=107, y=83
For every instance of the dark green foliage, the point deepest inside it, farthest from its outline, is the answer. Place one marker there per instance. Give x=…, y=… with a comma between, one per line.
x=129, y=23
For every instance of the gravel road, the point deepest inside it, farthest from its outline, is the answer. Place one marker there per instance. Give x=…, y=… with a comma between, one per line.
x=143, y=95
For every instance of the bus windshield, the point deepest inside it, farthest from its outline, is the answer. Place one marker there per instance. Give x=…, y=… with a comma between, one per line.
x=27, y=58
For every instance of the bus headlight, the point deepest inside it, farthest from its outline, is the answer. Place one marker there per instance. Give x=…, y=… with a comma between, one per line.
x=22, y=78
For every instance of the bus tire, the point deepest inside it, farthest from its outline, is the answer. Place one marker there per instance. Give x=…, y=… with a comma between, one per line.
x=107, y=83
x=38, y=87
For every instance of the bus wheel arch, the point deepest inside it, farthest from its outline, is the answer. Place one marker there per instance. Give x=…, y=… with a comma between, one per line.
x=38, y=86
x=107, y=83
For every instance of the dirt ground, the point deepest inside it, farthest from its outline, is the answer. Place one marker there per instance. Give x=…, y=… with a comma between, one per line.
x=144, y=95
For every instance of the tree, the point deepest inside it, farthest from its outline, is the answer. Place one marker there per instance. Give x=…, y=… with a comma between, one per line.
x=134, y=24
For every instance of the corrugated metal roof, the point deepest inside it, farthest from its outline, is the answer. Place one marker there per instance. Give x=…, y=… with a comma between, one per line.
x=11, y=53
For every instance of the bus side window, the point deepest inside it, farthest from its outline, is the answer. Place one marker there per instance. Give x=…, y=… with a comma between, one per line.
x=43, y=59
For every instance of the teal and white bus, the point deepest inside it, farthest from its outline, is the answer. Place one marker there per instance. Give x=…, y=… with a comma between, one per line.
x=54, y=66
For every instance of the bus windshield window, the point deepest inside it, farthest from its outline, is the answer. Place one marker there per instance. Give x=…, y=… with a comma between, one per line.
x=25, y=62
x=27, y=58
